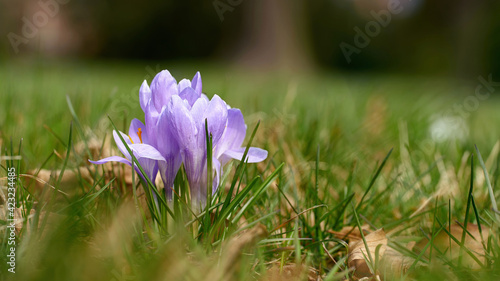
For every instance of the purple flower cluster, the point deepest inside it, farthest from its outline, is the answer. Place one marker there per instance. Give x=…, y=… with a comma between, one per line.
x=174, y=133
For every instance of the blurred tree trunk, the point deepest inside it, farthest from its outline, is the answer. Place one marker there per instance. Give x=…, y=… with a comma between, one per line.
x=274, y=36
x=471, y=37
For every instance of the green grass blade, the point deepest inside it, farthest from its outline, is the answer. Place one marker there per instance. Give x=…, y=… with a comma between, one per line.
x=488, y=184
x=258, y=192
x=374, y=178
x=469, y=202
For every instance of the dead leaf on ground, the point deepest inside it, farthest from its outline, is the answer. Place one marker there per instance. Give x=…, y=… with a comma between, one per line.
x=386, y=261
x=451, y=249
x=394, y=263
x=359, y=253
x=351, y=233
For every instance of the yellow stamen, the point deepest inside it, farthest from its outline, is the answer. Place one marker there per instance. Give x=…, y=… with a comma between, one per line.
x=130, y=139
x=139, y=133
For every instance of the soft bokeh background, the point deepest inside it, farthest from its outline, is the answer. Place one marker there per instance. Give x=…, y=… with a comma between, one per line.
x=453, y=38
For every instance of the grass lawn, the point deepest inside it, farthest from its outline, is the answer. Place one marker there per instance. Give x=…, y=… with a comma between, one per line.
x=389, y=154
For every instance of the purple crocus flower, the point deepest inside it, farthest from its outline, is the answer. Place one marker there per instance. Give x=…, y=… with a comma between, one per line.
x=187, y=118
x=174, y=133
x=154, y=102
x=148, y=157
x=230, y=144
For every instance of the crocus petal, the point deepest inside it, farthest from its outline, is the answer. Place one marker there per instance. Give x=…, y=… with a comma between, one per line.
x=120, y=144
x=146, y=154
x=146, y=151
x=148, y=157
x=166, y=142
x=133, y=131
x=151, y=118
x=234, y=134
x=198, y=185
x=216, y=115
x=117, y=159
x=203, y=96
x=190, y=95
x=163, y=87
x=184, y=84
x=144, y=95
x=168, y=171
x=254, y=154
x=197, y=111
x=112, y=159
x=196, y=83
x=182, y=123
